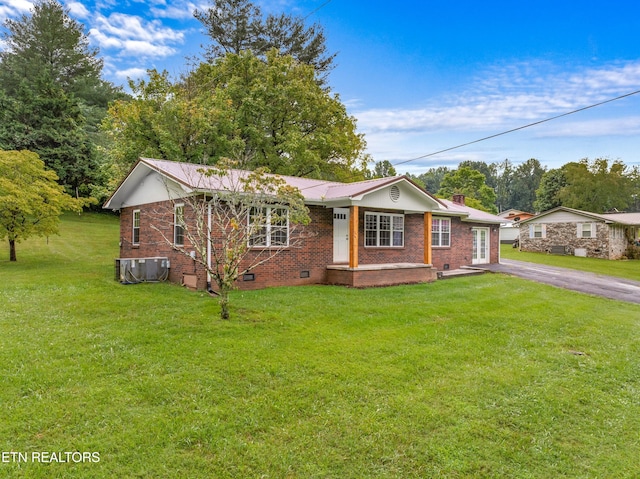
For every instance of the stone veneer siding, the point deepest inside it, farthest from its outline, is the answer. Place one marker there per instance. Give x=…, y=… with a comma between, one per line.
x=603, y=245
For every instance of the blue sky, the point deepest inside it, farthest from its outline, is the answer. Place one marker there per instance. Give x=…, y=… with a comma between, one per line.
x=424, y=76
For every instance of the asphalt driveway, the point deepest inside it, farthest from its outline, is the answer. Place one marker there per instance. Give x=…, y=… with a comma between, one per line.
x=590, y=283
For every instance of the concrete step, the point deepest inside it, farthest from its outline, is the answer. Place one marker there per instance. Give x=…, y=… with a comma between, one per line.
x=456, y=273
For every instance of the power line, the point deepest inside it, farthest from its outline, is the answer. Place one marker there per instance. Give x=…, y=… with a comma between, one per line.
x=314, y=11
x=518, y=128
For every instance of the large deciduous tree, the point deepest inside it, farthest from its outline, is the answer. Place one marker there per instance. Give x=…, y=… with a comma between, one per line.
x=470, y=183
x=31, y=201
x=236, y=26
x=270, y=110
x=597, y=186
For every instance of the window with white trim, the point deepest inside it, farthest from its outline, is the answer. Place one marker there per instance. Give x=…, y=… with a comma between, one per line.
x=383, y=230
x=269, y=226
x=441, y=232
x=586, y=230
x=135, y=237
x=178, y=225
x=537, y=231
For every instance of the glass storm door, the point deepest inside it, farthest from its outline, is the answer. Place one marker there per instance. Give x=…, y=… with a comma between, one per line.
x=341, y=235
x=480, y=245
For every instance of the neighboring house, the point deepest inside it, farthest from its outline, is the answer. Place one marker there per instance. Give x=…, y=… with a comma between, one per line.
x=369, y=233
x=510, y=229
x=567, y=231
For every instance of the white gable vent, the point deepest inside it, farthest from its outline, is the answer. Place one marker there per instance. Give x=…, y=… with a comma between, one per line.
x=394, y=193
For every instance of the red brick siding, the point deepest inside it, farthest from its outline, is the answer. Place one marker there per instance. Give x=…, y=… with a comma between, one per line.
x=314, y=254
x=411, y=252
x=152, y=243
x=461, y=250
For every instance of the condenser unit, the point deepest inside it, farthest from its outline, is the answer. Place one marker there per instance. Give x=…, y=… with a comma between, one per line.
x=139, y=270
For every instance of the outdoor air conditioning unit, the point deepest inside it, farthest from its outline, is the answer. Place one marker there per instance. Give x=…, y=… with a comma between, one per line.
x=139, y=270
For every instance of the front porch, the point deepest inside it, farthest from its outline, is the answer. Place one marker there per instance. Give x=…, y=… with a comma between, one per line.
x=368, y=275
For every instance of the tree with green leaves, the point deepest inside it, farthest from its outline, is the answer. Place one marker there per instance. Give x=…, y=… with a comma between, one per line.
x=433, y=177
x=53, y=97
x=31, y=201
x=271, y=110
x=236, y=26
x=547, y=193
x=597, y=186
x=42, y=118
x=48, y=41
x=383, y=169
x=504, y=173
x=525, y=180
x=470, y=183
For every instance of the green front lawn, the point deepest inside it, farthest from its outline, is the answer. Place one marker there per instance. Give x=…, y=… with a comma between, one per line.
x=629, y=269
x=487, y=376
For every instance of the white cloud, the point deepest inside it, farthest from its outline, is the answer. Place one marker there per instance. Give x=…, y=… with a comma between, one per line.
x=133, y=73
x=78, y=10
x=176, y=10
x=134, y=36
x=508, y=97
x=13, y=8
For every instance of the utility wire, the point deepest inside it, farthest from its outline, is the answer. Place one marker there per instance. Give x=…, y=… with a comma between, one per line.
x=518, y=128
x=314, y=11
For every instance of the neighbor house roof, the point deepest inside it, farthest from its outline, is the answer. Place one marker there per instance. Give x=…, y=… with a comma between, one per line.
x=627, y=219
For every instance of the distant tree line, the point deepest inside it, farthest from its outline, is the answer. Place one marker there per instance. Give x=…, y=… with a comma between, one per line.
x=598, y=185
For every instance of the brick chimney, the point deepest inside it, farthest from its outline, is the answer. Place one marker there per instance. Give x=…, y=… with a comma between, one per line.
x=458, y=199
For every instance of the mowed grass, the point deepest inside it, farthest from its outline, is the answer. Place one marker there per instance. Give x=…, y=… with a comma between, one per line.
x=629, y=269
x=487, y=376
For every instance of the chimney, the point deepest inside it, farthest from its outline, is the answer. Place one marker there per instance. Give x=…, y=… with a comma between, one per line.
x=458, y=199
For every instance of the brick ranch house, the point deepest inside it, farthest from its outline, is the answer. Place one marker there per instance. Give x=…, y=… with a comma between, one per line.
x=564, y=230
x=369, y=233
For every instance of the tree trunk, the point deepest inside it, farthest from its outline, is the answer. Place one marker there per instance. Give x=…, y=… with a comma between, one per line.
x=12, y=250
x=224, y=303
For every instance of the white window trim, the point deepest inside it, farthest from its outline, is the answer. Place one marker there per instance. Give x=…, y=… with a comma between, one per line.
x=580, y=230
x=439, y=234
x=532, y=231
x=176, y=225
x=377, y=230
x=134, y=227
x=269, y=228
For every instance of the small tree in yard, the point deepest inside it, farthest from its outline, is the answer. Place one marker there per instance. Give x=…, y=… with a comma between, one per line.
x=31, y=201
x=242, y=219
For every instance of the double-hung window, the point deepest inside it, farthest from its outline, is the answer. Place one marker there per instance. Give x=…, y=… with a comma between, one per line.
x=269, y=227
x=135, y=239
x=441, y=232
x=586, y=230
x=383, y=230
x=178, y=225
x=537, y=231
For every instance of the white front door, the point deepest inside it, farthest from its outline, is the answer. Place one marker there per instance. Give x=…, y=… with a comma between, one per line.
x=341, y=235
x=480, y=245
